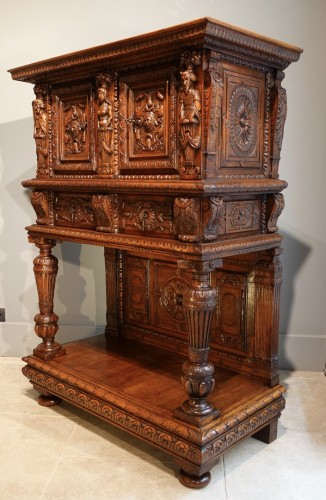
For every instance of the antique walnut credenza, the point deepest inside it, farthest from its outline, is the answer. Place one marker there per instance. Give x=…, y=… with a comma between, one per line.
x=164, y=149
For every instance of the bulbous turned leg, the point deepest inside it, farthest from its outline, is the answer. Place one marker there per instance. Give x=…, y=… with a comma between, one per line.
x=46, y=327
x=192, y=481
x=199, y=303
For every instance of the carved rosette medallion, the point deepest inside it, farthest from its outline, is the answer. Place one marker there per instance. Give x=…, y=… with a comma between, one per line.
x=106, y=212
x=239, y=216
x=146, y=216
x=189, y=113
x=243, y=121
x=104, y=124
x=41, y=129
x=171, y=298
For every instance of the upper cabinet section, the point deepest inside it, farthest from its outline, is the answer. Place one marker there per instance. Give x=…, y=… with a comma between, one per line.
x=203, y=100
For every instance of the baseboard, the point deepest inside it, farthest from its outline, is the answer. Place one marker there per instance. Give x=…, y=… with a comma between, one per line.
x=296, y=352
x=299, y=352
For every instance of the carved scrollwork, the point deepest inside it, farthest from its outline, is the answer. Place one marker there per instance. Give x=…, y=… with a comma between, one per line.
x=104, y=123
x=190, y=113
x=41, y=119
x=277, y=207
x=75, y=211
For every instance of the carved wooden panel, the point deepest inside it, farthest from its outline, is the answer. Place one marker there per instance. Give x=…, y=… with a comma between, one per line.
x=147, y=122
x=243, y=119
x=168, y=290
x=239, y=216
x=74, y=210
x=230, y=326
x=146, y=215
x=136, y=289
x=73, y=129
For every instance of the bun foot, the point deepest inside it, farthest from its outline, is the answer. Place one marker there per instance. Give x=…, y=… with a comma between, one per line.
x=194, y=481
x=48, y=400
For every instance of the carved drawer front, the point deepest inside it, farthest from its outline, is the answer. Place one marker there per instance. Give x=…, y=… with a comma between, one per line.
x=74, y=210
x=73, y=129
x=147, y=216
x=242, y=130
x=136, y=290
x=239, y=216
x=147, y=135
x=231, y=325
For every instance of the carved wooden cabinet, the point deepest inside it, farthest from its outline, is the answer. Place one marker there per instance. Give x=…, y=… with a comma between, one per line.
x=164, y=149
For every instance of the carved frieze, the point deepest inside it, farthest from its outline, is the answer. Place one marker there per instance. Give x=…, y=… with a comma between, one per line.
x=190, y=111
x=146, y=216
x=105, y=208
x=41, y=129
x=104, y=124
x=74, y=211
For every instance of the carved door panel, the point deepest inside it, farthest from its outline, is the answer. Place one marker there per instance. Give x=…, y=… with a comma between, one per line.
x=73, y=144
x=136, y=290
x=147, y=135
x=243, y=112
x=231, y=326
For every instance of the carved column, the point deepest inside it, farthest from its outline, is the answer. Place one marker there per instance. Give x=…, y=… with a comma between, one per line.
x=267, y=280
x=199, y=302
x=112, y=291
x=46, y=327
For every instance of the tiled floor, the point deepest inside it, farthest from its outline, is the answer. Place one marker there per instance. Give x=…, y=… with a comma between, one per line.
x=63, y=453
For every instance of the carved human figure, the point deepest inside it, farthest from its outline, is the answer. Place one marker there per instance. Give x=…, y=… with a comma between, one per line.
x=190, y=108
x=40, y=128
x=75, y=128
x=105, y=120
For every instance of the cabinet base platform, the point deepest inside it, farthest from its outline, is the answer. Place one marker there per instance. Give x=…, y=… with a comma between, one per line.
x=137, y=387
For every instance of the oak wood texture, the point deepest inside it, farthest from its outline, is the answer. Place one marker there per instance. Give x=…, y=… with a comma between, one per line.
x=165, y=150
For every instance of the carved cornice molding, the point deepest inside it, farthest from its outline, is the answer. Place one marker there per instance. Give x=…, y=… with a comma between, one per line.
x=206, y=31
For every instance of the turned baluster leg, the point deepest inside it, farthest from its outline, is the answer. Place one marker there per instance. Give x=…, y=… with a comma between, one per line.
x=199, y=302
x=46, y=327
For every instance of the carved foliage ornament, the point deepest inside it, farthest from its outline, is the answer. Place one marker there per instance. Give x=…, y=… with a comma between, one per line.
x=40, y=115
x=106, y=212
x=146, y=216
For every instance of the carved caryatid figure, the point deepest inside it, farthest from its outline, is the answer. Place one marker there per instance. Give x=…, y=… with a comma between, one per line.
x=40, y=128
x=190, y=109
x=105, y=122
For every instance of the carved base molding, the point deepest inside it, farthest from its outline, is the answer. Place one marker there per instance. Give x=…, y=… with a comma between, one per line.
x=195, y=449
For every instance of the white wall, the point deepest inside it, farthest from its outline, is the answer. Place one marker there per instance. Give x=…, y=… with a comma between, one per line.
x=39, y=29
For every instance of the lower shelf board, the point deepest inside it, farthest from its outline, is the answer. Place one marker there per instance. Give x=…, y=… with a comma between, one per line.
x=137, y=387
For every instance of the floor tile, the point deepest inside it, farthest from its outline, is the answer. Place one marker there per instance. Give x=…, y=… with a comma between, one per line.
x=305, y=403
x=292, y=467
x=132, y=480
